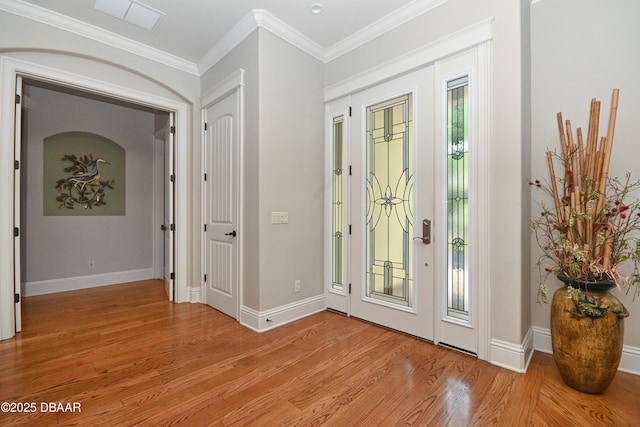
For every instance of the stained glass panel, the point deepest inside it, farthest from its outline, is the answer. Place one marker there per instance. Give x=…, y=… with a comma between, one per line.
x=458, y=298
x=389, y=201
x=337, y=205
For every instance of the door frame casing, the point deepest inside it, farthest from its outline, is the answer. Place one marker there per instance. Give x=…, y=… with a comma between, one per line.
x=10, y=68
x=233, y=83
x=476, y=38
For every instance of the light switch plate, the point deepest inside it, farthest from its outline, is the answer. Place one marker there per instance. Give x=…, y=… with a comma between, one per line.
x=279, y=217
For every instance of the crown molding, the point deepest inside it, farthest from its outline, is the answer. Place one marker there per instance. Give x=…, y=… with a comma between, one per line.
x=381, y=26
x=233, y=38
x=54, y=19
x=258, y=18
x=284, y=31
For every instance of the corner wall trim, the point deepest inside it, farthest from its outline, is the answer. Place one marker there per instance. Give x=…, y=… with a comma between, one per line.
x=261, y=321
x=515, y=357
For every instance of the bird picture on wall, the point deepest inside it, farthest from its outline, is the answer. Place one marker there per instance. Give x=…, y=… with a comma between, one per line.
x=84, y=186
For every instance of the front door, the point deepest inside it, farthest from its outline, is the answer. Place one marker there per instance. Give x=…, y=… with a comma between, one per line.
x=221, y=189
x=406, y=162
x=392, y=204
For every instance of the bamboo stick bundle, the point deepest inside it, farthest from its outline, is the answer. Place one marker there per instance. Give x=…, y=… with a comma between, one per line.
x=584, y=220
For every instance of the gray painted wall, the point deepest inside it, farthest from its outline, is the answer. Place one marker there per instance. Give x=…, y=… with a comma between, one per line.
x=245, y=56
x=283, y=168
x=61, y=247
x=291, y=172
x=582, y=49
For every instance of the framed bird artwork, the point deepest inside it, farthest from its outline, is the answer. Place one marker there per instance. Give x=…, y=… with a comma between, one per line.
x=84, y=175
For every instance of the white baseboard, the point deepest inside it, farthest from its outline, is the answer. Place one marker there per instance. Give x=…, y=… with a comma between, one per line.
x=515, y=357
x=630, y=361
x=84, y=282
x=261, y=321
x=195, y=294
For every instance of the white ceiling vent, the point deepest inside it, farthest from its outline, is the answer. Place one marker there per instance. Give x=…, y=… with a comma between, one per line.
x=133, y=12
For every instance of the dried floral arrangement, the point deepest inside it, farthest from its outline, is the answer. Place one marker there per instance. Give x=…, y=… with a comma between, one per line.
x=593, y=226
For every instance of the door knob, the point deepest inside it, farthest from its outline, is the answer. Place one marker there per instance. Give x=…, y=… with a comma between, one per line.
x=232, y=234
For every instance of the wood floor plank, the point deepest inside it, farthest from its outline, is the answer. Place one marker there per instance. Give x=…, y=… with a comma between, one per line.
x=130, y=357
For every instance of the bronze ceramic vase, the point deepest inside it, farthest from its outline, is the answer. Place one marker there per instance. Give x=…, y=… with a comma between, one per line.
x=587, y=335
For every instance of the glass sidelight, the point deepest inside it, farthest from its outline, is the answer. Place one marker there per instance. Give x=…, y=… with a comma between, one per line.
x=458, y=298
x=338, y=204
x=389, y=201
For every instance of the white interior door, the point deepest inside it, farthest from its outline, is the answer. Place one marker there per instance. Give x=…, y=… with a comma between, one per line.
x=221, y=205
x=16, y=215
x=169, y=220
x=392, y=197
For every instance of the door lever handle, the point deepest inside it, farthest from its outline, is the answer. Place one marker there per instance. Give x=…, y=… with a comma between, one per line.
x=426, y=232
x=232, y=234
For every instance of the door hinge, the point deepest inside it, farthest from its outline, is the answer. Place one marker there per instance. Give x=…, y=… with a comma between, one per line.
x=349, y=111
x=16, y=232
x=205, y=228
x=349, y=170
x=16, y=298
x=172, y=129
x=172, y=178
x=349, y=288
x=349, y=228
x=205, y=278
x=172, y=276
x=18, y=99
x=205, y=125
x=16, y=165
x=205, y=176
x=172, y=227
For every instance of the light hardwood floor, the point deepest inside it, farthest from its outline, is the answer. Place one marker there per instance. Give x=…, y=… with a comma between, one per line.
x=128, y=357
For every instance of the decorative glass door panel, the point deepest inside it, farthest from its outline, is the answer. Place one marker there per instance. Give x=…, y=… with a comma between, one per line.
x=337, y=204
x=458, y=198
x=389, y=200
x=392, y=190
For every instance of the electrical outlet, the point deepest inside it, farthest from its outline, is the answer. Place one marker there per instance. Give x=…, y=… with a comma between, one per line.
x=296, y=286
x=279, y=217
x=92, y=263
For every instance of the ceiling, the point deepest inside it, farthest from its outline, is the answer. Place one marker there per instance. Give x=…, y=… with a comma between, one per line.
x=191, y=29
